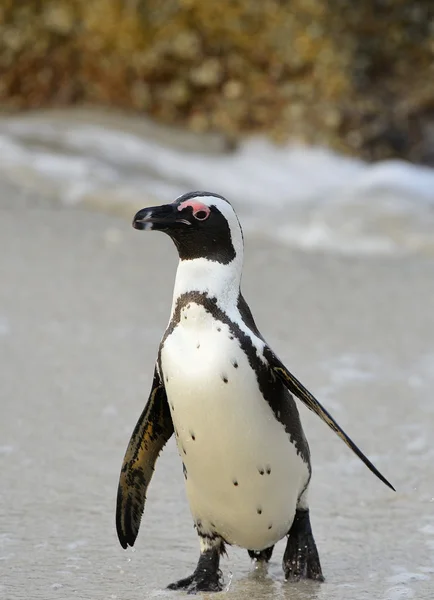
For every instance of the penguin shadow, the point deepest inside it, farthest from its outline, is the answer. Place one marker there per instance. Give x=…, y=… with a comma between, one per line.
x=261, y=583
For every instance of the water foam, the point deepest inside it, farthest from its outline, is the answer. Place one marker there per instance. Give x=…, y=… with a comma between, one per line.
x=309, y=198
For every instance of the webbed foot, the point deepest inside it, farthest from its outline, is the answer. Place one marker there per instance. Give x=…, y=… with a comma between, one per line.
x=261, y=555
x=301, y=559
x=207, y=576
x=199, y=582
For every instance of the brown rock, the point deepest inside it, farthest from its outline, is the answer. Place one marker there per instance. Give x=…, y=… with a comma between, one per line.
x=208, y=74
x=358, y=75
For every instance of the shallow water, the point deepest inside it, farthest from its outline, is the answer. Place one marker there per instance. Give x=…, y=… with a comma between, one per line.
x=84, y=300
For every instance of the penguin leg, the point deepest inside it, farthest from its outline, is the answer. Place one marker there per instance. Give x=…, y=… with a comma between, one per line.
x=261, y=555
x=301, y=560
x=207, y=575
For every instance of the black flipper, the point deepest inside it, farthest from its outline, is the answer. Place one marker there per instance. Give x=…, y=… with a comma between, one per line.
x=207, y=575
x=151, y=433
x=312, y=403
x=301, y=560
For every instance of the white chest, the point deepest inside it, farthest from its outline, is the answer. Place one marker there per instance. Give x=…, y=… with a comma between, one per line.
x=243, y=476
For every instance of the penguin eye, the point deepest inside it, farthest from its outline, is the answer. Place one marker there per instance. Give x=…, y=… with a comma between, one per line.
x=201, y=215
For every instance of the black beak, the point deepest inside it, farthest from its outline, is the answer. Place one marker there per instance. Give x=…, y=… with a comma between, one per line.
x=158, y=218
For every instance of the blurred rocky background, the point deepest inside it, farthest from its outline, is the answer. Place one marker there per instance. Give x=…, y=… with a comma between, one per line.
x=356, y=76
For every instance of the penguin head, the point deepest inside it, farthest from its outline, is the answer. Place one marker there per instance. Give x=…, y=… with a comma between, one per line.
x=201, y=224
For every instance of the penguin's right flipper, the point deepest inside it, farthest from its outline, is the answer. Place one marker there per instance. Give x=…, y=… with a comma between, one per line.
x=298, y=389
x=152, y=431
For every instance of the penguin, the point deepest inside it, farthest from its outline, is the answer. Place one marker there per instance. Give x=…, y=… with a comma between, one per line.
x=229, y=400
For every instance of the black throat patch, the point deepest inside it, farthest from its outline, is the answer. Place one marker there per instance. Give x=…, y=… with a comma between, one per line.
x=272, y=389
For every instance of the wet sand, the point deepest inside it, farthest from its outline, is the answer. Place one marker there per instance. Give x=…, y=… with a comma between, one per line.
x=84, y=300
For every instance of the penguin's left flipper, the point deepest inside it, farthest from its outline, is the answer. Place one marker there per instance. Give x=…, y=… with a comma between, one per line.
x=152, y=431
x=312, y=403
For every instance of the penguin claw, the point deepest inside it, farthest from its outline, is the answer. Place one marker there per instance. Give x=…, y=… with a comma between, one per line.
x=202, y=586
x=182, y=584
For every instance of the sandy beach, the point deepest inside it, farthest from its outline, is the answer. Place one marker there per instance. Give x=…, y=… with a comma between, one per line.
x=84, y=300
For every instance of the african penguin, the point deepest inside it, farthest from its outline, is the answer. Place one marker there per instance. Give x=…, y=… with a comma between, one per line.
x=228, y=398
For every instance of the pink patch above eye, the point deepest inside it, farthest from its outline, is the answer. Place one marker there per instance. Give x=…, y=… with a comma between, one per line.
x=196, y=206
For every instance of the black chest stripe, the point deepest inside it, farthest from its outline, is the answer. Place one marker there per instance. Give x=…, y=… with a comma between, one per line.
x=273, y=390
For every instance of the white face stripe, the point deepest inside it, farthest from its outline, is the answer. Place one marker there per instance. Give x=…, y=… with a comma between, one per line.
x=215, y=279
x=218, y=281
x=225, y=207
x=221, y=281
x=202, y=196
